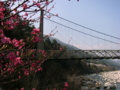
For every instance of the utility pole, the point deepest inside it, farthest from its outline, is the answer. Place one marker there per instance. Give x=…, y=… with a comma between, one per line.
x=40, y=45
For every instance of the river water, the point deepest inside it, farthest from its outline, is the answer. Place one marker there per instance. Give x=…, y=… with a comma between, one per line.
x=106, y=79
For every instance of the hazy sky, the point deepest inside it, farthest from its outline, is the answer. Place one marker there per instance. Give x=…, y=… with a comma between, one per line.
x=101, y=15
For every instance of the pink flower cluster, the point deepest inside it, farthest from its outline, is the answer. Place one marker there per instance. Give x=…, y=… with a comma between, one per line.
x=24, y=6
x=1, y=10
x=16, y=60
x=37, y=4
x=6, y=40
x=66, y=84
x=43, y=52
x=18, y=63
x=36, y=39
x=35, y=31
x=18, y=43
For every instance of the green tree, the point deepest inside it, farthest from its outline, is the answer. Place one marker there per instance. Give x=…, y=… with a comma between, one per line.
x=20, y=31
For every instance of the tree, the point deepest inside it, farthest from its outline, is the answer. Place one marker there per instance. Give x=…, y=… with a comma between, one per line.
x=15, y=61
x=20, y=31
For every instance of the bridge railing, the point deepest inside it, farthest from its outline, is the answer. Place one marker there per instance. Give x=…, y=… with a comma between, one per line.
x=84, y=54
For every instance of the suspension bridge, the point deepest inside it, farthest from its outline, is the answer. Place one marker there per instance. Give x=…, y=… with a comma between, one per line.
x=81, y=42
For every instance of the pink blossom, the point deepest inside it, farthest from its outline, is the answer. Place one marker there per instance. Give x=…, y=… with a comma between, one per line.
x=24, y=23
x=14, y=17
x=17, y=43
x=2, y=54
x=1, y=15
x=64, y=88
x=35, y=31
x=10, y=27
x=0, y=65
x=33, y=55
x=47, y=35
x=6, y=65
x=21, y=42
x=38, y=4
x=19, y=77
x=43, y=52
x=12, y=70
x=18, y=59
x=24, y=6
x=11, y=56
x=8, y=22
x=17, y=53
x=26, y=14
x=32, y=50
x=33, y=64
x=2, y=36
x=33, y=89
x=38, y=61
x=26, y=72
x=22, y=89
x=9, y=69
x=6, y=40
x=2, y=23
x=34, y=2
x=15, y=10
x=2, y=9
x=66, y=84
x=1, y=3
x=61, y=48
x=48, y=10
x=40, y=69
x=1, y=31
x=56, y=14
x=31, y=69
x=15, y=23
x=4, y=68
x=47, y=2
x=36, y=39
x=15, y=63
x=48, y=16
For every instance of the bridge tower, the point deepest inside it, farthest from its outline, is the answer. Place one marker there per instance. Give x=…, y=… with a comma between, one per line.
x=40, y=45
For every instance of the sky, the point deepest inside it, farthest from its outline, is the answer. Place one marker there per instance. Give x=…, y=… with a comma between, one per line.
x=100, y=15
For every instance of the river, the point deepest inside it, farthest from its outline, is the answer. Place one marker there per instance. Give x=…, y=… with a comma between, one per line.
x=105, y=79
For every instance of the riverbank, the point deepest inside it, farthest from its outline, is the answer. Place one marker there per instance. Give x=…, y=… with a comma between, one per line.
x=106, y=80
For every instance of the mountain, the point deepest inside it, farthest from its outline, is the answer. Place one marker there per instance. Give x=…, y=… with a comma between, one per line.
x=114, y=63
x=69, y=47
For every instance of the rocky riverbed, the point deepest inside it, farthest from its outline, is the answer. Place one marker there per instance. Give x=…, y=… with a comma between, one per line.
x=98, y=81
x=102, y=80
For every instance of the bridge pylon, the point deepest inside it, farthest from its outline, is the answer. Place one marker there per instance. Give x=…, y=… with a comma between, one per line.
x=40, y=45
